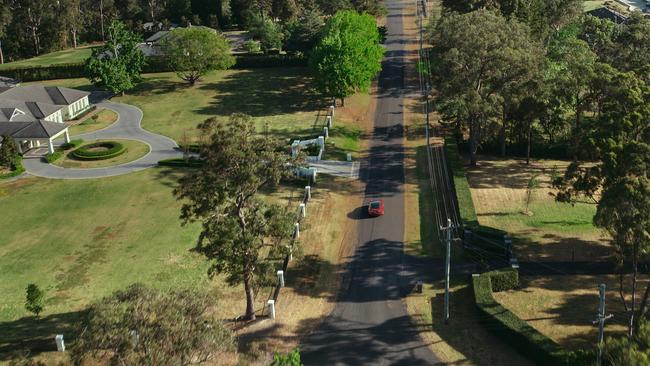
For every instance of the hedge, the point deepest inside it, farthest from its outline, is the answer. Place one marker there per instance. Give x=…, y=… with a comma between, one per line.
x=153, y=65
x=113, y=149
x=464, y=195
x=18, y=169
x=512, y=330
x=56, y=155
x=180, y=162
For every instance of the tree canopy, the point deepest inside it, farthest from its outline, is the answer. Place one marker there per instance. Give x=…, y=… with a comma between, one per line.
x=348, y=57
x=192, y=52
x=238, y=226
x=118, y=63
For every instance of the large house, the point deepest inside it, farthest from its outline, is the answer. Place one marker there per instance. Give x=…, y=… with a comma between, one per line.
x=34, y=115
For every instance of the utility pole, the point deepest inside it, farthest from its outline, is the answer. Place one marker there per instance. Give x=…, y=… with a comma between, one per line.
x=447, y=265
x=601, y=323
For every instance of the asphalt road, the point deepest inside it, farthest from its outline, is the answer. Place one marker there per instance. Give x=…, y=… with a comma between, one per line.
x=369, y=324
x=126, y=127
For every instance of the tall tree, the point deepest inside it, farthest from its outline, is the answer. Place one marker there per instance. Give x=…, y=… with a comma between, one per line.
x=267, y=32
x=5, y=20
x=118, y=63
x=348, y=57
x=476, y=57
x=620, y=180
x=8, y=152
x=238, y=226
x=192, y=52
x=143, y=326
x=304, y=32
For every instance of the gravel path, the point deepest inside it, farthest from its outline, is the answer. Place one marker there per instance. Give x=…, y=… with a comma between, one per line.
x=126, y=127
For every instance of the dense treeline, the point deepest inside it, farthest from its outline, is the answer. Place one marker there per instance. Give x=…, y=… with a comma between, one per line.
x=33, y=27
x=537, y=73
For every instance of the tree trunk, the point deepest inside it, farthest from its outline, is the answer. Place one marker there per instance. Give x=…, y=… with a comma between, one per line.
x=635, y=271
x=473, y=143
x=502, y=138
x=250, y=299
x=342, y=102
x=576, y=137
x=74, y=38
x=2, y=56
x=642, y=307
x=123, y=93
x=101, y=18
x=528, y=141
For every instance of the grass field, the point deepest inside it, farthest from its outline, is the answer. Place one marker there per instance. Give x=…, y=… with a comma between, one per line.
x=554, y=231
x=105, y=118
x=590, y=5
x=71, y=55
x=135, y=150
x=280, y=100
x=563, y=307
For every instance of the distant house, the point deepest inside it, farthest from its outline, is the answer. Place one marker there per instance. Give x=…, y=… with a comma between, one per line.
x=151, y=46
x=33, y=115
x=609, y=14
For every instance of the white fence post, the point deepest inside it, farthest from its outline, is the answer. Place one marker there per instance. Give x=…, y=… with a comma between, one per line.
x=326, y=132
x=329, y=121
x=321, y=142
x=271, y=308
x=302, y=211
x=281, y=278
x=349, y=157
x=313, y=175
x=332, y=111
x=60, y=344
x=296, y=231
x=307, y=193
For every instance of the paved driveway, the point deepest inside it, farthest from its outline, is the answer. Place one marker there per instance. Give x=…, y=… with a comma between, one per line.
x=126, y=127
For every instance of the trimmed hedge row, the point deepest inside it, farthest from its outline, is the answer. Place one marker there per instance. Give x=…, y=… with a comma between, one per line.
x=59, y=151
x=512, y=330
x=18, y=169
x=463, y=194
x=113, y=149
x=153, y=65
x=182, y=163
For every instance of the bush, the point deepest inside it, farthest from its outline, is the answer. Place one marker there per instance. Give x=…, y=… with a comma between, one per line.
x=512, y=330
x=18, y=169
x=51, y=72
x=112, y=149
x=180, y=162
x=504, y=279
x=252, y=46
x=56, y=155
x=72, y=144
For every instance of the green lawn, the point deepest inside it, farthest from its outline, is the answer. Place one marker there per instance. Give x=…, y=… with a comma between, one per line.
x=134, y=151
x=60, y=57
x=590, y=5
x=105, y=118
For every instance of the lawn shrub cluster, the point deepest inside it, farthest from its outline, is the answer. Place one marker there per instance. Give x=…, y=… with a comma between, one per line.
x=72, y=144
x=180, y=162
x=18, y=169
x=514, y=331
x=464, y=195
x=153, y=65
x=110, y=150
x=59, y=151
x=56, y=155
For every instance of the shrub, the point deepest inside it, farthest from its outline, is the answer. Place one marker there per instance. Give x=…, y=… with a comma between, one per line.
x=180, y=162
x=51, y=72
x=72, y=144
x=56, y=155
x=252, y=46
x=34, y=299
x=111, y=150
x=504, y=279
x=18, y=169
x=511, y=329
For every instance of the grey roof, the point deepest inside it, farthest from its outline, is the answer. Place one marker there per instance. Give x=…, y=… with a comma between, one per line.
x=6, y=82
x=31, y=111
x=32, y=130
x=609, y=14
x=53, y=95
x=156, y=37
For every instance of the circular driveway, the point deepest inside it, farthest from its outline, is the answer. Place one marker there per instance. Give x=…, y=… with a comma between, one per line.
x=127, y=126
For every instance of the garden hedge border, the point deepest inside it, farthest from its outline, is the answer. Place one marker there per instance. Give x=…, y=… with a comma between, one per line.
x=464, y=195
x=512, y=330
x=117, y=149
x=181, y=163
x=58, y=152
x=153, y=65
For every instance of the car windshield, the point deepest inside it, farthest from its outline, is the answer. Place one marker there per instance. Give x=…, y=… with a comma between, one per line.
x=375, y=204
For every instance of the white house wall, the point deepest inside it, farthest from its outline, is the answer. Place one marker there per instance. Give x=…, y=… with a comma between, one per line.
x=77, y=108
x=55, y=117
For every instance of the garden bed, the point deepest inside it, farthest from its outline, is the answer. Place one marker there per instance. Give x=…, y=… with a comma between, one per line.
x=104, y=154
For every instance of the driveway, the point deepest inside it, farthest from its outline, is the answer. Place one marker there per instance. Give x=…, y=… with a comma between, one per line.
x=127, y=126
x=369, y=324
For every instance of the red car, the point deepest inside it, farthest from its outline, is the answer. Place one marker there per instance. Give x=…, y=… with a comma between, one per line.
x=376, y=208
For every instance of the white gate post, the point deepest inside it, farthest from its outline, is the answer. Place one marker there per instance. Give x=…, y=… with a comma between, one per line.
x=302, y=211
x=329, y=121
x=271, y=308
x=296, y=232
x=281, y=278
x=60, y=344
x=307, y=193
x=326, y=132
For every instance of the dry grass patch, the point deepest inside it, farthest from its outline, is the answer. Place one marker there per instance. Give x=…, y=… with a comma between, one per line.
x=563, y=307
x=554, y=231
x=95, y=122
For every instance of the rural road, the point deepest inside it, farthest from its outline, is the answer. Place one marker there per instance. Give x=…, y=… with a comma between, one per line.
x=369, y=324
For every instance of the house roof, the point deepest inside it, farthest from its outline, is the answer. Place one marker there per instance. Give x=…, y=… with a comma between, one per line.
x=42, y=95
x=161, y=34
x=6, y=82
x=32, y=130
x=609, y=14
x=31, y=111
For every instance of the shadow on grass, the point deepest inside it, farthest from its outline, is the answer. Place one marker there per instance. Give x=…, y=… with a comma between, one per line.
x=263, y=92
x=37, y=334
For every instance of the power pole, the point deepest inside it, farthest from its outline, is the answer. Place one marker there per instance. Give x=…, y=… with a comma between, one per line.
x=447, y=265
x=601, y=323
